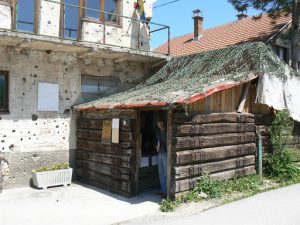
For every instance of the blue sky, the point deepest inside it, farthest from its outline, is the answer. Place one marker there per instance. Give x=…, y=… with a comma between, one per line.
x=179, y=16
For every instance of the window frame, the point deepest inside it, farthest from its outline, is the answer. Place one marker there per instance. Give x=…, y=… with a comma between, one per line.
x=37, y=4
x=101, y=79
x=101, y=18
x=5, y=109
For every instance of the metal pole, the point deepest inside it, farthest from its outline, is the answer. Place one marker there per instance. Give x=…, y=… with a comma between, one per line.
x=259, y=156
x=169, y=36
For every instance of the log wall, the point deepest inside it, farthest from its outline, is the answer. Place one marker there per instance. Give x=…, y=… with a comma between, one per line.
x=110, y=166
x=222, y=144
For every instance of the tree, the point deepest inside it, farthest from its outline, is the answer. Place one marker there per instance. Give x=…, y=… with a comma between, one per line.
x=276, y=8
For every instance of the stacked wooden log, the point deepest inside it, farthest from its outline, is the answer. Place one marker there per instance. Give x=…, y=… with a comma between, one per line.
x=110, y=166
x=222, y=144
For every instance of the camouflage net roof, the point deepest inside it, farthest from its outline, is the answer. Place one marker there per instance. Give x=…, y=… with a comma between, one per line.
x=189, y=78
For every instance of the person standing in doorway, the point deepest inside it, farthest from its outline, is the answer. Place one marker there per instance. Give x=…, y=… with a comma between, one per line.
x=161, y=147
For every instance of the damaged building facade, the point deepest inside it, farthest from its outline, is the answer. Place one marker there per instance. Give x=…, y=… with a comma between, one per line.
x=55, y=54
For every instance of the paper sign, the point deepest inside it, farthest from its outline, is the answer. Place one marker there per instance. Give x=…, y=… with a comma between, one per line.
x=144, y=162
x=115, y=130
x=154, y=160
x=106, y=131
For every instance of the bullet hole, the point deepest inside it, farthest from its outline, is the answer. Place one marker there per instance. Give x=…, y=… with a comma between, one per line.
x=34, y=75
x=34, y=134
x=36, y=124
x=29, y=138
x=66, y=69
x=28, y=132
x=35, y=155
x=66, y=91
x=2, y=141
x=11, y=147
x=66, y=111
x=22, y=110
x=49, y=22
x=21, y=139
x=54, y=121
x=67, y=99
x=36, y=66
x=57, y=126
x=3, y=148
x=23, y=93
x=58, y=132
x=64, y=138
x=4, y=135
x=13, y=131
x=34, y=117
x=44, y=123
x=24, y=79
x=48, y=51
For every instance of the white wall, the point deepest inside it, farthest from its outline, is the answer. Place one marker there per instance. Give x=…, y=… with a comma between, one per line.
x=5, y=17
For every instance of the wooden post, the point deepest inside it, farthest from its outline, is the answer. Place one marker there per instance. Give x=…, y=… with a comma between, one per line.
x=243, y=97
x=170, y=121
x=138, y=149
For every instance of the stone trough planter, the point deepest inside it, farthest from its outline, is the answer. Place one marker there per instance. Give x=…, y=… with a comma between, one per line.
x=51, y=178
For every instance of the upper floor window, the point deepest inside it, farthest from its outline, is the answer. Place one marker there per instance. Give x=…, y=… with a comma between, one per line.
x=104, y=10
x=70, y=18
x=282, y=53
x=93, y=87
x=3, y=91
x=25, y=15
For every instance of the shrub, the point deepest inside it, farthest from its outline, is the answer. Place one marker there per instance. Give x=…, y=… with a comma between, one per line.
x=168, y=205
x=281, y=164
x=209, y=186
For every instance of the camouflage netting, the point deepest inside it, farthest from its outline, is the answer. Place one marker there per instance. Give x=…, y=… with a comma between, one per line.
x=184, y=77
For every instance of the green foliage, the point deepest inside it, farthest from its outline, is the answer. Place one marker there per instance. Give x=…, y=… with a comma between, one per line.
x=168, y=205
x=272, y=6
x=209, y=186
x=281, y=165
x=58, y=166
x=281, y=130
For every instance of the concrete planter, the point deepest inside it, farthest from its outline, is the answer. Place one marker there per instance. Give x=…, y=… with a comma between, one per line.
x=52, y=178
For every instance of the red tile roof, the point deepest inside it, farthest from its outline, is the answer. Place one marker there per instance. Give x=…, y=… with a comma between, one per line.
x=250, y=29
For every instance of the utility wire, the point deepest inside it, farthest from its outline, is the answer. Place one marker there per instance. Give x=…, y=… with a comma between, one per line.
x=167, y=3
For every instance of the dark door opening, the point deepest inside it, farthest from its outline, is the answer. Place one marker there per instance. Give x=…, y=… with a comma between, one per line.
x=148, y=171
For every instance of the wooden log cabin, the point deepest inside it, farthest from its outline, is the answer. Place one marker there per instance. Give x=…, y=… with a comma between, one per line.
x=210, y=108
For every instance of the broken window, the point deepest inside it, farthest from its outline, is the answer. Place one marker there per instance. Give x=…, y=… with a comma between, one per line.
x=93, y=87
x=103, y=10
x=25, y=15
x=70, y=19
x=3, y=91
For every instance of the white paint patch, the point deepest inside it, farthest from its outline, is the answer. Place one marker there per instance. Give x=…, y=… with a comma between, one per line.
x=49, y=18
x=48, y=97
x=5, y=17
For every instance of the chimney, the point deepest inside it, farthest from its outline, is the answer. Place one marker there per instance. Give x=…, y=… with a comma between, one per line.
x=198, y=24
x=241, y=15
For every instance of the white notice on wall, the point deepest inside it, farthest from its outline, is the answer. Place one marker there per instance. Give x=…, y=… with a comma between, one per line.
x=48, y=97
x=115, y=130
x=154, y=160
x=144, y=162
x=115, y=123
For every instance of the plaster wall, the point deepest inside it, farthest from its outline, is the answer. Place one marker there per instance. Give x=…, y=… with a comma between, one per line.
x=30, y=138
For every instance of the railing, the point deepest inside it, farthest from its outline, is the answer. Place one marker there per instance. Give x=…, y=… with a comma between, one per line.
x=70, y=33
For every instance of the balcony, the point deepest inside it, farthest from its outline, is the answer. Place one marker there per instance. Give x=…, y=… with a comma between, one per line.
x=69, y=24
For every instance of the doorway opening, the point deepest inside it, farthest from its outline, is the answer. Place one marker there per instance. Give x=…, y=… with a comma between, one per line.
x=148, y=171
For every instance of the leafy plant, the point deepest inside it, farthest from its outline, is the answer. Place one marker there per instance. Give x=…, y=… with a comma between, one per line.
x=167, y=205
x=58, y=166
x=281, y=164
x=209, y=186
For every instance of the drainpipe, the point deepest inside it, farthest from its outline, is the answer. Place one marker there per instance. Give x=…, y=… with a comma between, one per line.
x=259, y=156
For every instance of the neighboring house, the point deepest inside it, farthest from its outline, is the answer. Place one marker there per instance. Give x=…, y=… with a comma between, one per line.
x=55, y=54
x=259, y=28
